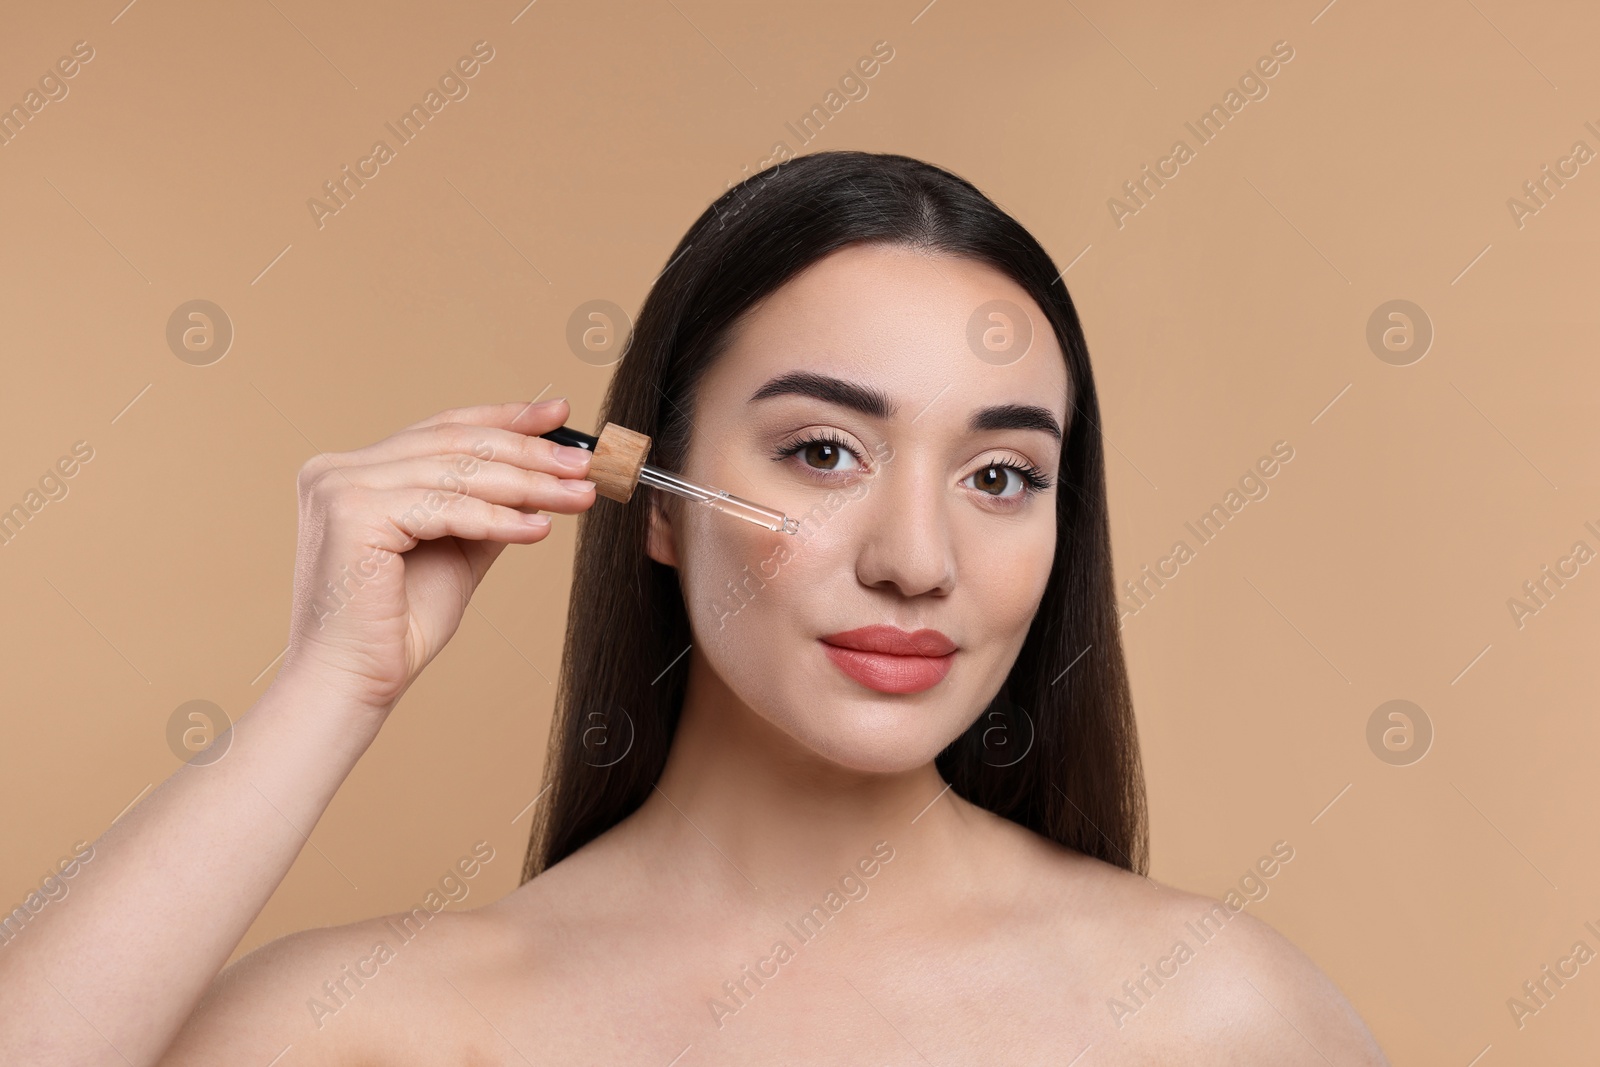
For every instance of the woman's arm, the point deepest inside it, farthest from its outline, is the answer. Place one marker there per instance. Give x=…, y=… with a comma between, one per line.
x=109, y=973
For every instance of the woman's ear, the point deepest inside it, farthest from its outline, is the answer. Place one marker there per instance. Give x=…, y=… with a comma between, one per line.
x=658, y=540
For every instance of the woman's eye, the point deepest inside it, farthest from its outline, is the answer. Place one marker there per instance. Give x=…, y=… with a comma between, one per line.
x=1003, y=481
x=995, y=479
x=827, y=456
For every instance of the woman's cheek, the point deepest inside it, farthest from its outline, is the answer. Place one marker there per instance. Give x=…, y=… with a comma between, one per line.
x=730, y=569
x=1034, y=560
x=1006, y=577
x=1032, y=582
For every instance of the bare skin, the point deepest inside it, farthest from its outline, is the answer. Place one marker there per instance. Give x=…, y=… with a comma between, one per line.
x=958, y=936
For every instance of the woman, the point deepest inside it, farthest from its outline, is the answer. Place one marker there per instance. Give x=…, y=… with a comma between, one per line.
x=865, y=793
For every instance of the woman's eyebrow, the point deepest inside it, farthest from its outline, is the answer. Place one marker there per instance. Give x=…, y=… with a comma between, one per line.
x=876, y=404
x=1015, y=417
x=862, y=398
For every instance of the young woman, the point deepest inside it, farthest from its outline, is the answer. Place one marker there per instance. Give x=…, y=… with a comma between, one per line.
x=865, y=793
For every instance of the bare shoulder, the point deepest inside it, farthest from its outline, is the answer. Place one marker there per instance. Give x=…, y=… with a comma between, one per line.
x=1175, y=976
x=410, y=987
x=339, y=995
x=1256, y=995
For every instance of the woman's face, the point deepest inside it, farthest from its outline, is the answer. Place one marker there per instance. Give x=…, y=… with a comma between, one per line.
x=852, y=400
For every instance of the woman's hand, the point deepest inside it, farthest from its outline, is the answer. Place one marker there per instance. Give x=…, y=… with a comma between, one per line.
x=395, y=537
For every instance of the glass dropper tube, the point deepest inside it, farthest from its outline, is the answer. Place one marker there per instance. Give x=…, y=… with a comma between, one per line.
x=709, y=495
x=720, y=499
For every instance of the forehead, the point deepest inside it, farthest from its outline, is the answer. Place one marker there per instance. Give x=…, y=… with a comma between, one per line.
x=902, y=321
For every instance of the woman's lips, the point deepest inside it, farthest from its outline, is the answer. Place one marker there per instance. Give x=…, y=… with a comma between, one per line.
x=888, y=673
x=891, y=660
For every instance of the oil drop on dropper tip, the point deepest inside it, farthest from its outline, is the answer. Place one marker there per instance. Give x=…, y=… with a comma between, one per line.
x=618, y=466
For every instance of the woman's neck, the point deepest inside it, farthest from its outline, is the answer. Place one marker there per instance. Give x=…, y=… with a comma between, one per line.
x=742, y=805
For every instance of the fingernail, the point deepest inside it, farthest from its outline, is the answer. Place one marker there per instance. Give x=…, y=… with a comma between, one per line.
x=551, y=403
x=537, y=520
x=580, y=486
x=571, y=456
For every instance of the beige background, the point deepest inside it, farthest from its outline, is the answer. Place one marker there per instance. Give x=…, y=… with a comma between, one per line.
x=1228, y=314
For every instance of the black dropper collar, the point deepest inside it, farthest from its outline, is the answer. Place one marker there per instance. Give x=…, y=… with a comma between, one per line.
x=563, y=435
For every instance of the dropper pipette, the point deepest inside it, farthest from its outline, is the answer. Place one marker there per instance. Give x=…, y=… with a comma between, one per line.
x=618, y=466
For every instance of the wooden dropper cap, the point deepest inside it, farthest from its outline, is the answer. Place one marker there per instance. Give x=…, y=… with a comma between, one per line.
x=619, y=455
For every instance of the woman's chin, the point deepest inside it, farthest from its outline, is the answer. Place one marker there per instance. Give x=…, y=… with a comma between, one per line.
x=891, y=746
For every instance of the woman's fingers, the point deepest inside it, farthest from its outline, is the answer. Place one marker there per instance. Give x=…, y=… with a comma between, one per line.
x=402, y=520
x=527, y=416
x=369, y=611
x=485, y=441
x=527, y=419
x=467, y=475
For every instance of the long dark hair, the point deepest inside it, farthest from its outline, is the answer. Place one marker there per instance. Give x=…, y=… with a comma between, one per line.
x=1066, y=702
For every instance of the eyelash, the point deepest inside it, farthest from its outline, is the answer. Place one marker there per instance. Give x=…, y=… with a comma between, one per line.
x=1034, y=479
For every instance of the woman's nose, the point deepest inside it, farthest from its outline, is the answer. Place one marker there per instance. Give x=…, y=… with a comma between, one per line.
x=905, y=532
